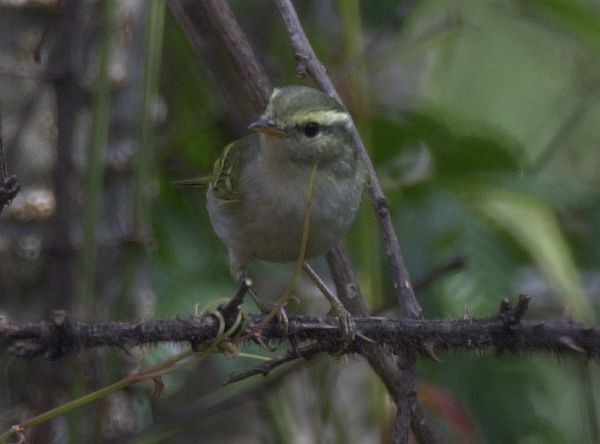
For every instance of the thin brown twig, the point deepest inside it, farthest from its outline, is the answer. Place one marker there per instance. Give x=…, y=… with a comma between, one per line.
x=264, y=369
x=372, y=46
x=203, y=409
x=255, y=79
x=308, y=63
x=452, y=266
x=195, y=25
x=407, y=399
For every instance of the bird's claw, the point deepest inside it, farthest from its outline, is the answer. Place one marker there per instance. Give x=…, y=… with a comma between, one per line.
x=267, y=307
x=283, y=320
x=347, y=325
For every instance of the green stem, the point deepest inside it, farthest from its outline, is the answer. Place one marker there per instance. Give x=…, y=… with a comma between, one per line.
x=358, y=102
x=143, y=178
x=161, y=368
x=95, y=162
x=310, y=195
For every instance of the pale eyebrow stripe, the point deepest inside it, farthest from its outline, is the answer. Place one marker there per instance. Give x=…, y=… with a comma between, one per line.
x=321, y=117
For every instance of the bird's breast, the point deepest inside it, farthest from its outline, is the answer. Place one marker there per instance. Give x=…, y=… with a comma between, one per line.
x=268, y=221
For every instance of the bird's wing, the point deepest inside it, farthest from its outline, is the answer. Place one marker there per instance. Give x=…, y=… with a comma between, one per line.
x=228, y=168
x=194, y=182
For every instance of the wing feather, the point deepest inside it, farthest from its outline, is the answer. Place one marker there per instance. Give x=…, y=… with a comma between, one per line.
x=225, y=183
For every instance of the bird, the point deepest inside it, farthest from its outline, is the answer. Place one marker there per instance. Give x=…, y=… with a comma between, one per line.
x=257, y=193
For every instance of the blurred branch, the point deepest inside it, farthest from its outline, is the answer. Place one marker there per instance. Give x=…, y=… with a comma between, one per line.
x=250, y=71
x=454, y=265
x=505, y=331
x=11, y=69
x=203, y=409
x=371, y=47
x=194, y=24
x=96, y=158
x=264, y=369
x=65, y=68
x=8, y=184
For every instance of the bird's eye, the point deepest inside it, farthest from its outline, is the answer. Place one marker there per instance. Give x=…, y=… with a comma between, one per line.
x=311, y=129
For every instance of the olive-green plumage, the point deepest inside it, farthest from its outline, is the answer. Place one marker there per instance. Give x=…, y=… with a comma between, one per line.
x=258, y=191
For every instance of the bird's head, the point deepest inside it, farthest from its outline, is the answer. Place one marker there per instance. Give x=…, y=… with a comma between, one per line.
x=308, y=124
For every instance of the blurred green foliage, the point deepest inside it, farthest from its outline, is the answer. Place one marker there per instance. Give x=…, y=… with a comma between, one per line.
x=484, y=130
x=482, y=118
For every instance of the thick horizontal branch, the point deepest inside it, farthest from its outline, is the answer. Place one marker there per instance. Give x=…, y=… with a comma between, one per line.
x=502, y=332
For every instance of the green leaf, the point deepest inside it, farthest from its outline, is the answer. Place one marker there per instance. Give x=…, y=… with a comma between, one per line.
x=533, y=224
x=574, y=17
x=464, y=149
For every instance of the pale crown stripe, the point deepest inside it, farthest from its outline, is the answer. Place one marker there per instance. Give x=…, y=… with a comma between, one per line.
x=321, y=117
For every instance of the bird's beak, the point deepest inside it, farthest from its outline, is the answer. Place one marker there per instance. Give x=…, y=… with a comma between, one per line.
x=267, y=126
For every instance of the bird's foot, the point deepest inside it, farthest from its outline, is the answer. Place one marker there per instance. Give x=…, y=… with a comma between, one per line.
x=269, y=308
x=347, y=325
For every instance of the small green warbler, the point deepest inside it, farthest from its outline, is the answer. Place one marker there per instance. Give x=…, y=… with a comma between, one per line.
x=257, y=195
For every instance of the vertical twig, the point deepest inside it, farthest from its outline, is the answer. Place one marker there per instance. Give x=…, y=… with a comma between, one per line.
x=96, y=161
x=145, y=151
x=256, y=80
x=396, y=381
x=308, y=63
x=407, y=399
x=195, y=25
x=64, y=69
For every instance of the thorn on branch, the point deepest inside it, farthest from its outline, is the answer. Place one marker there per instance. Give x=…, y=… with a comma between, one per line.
x=429, y=351
x=505, y=306
x=513, y=315
x=569, y=343
x=466, y=315
x=519, y=311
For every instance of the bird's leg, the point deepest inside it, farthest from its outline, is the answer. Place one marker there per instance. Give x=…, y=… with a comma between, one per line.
x=337, y=308
x=265, y=307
